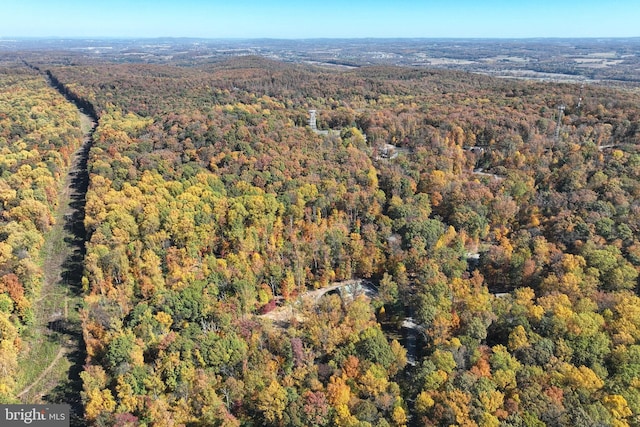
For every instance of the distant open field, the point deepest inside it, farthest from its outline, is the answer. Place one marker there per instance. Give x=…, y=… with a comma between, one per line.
x=587, y=60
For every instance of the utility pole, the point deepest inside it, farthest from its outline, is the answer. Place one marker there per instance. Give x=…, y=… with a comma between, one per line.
x=580, y=97
x=561, y=108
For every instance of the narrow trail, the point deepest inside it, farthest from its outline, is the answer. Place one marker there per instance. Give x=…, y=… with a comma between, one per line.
x=58, y=325
x=44, y=373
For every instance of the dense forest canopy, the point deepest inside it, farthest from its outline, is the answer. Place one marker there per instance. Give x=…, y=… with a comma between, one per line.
x=500, y=230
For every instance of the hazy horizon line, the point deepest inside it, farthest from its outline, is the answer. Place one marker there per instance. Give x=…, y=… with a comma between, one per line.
x=11, y=38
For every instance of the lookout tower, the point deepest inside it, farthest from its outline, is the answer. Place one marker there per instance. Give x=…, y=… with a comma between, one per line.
x=312, y=120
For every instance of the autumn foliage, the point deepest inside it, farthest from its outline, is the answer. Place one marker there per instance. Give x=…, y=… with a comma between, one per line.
x=39, y=132
x=510, y=255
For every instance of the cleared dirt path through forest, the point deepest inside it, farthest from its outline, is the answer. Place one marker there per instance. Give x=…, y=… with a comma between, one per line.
x=44, y=373
x=52, y=364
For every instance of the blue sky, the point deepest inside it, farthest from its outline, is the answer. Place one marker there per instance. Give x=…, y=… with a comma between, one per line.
x=319, y=18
